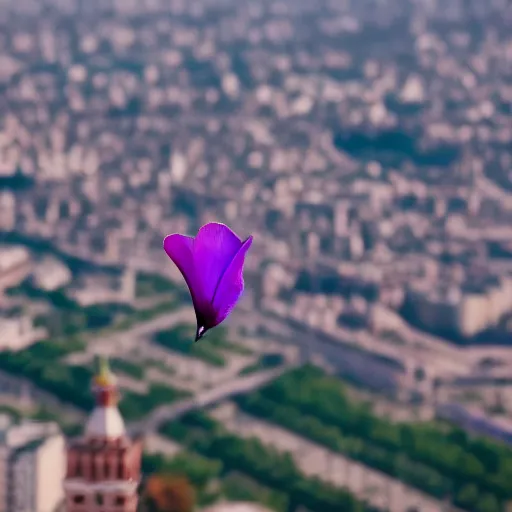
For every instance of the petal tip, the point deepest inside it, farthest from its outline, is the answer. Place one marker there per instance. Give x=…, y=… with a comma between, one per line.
x=167, y=243
x=218, y=225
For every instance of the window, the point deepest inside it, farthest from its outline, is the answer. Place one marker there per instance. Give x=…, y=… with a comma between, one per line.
x=419, y=374
x=99, y=499
x=79, y=499
x=120, y=500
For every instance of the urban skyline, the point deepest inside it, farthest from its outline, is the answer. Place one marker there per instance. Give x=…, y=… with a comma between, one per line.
x=366, y=147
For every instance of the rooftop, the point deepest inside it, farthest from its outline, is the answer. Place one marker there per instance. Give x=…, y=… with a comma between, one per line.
x=10, y=256
x=105, y=422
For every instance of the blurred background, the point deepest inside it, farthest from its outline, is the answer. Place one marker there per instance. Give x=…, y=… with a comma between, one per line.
x=367, y=146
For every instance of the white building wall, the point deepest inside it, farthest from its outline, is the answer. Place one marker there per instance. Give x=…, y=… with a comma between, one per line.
x=32, y=466
x=50, y=471
x=4, y=454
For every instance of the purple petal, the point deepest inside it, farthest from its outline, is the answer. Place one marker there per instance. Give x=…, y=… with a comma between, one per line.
x=231, y=285
x=180, y=249
x=215, y=247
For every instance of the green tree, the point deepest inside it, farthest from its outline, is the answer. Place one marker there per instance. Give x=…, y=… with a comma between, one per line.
x=488, y=503
x=467, y=496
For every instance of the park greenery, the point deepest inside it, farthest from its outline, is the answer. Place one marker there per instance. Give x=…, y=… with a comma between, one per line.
x=144, y=315
x=443, y=461
x=264, y=362
x=274, y=471
x=135, y=371
x=135, y=406
x=239, y=487
x=17, y=414
x=68, y=318
x=213, y=482
x=179, y=339
x=42, y=364
x=148, y=285
x=69, y=326
x=160, y=365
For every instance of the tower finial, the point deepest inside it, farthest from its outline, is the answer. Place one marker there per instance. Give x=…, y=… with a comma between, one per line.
x=103, y=365
x=104, y=377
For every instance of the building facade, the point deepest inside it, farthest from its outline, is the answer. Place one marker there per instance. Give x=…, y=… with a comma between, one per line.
x=15, y=266
x=18, y=333
x=103, y=466
x=32, y=466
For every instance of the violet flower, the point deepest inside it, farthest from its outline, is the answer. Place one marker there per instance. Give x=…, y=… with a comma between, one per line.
x=212, y=266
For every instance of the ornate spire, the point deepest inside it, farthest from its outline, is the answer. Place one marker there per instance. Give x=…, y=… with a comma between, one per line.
x=104, y=378
x=105, y=421
x=105, y=384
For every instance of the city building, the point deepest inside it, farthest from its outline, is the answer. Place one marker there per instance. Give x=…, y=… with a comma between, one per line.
x=50, y=274
x=17, y=333
x=32, y=464
x=7, y=211
x=105, y=289
x=466, y=311
x=15, y=266
x=103, y=466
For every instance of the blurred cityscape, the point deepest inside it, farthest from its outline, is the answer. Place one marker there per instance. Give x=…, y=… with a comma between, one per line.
x=367, y=146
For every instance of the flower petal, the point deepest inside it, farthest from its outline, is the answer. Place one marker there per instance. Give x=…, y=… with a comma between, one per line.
x=215, y=247
x=180, y=249
x=231, y=285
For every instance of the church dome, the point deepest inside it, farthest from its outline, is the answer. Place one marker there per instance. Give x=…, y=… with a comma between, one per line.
x=105, y=420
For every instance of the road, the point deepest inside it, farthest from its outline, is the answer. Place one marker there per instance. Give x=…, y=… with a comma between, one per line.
x=333, y=346
x=238, y=385
x=436, y=353
x=125, y=340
